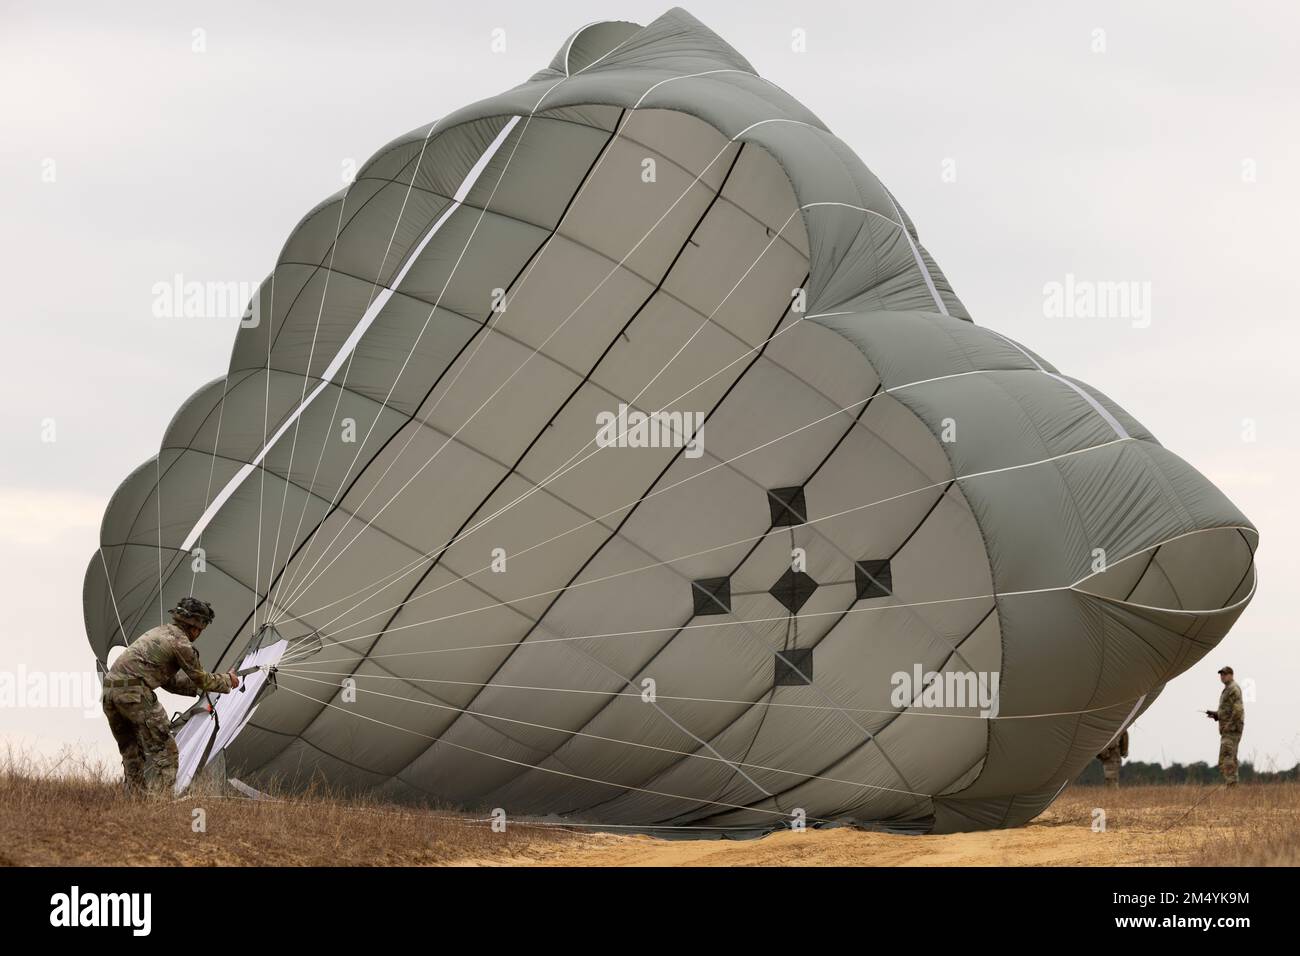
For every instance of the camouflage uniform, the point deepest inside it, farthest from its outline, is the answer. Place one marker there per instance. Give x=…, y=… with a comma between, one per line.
x=161, y=658
x=1232, y=721
x=1111, y=758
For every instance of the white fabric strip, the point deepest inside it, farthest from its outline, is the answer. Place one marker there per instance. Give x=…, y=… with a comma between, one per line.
x=1119, y=430
x=350, y=344
x=232, y=710
x=920, y=263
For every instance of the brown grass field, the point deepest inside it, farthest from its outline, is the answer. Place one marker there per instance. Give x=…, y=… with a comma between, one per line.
x=70, y=813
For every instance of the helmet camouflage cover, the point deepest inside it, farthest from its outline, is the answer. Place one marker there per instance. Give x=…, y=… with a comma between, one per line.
x=191, y=610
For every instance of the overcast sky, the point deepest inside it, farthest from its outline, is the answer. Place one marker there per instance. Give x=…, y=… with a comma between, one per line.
x=1151, y=143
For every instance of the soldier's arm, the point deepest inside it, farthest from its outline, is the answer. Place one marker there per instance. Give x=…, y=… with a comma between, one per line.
x=188, y=660
x=1238, y=707
x=181, y=684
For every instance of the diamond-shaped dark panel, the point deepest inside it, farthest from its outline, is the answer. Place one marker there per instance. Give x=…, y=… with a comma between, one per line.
x=788, y=508
x=712, y=595
x=793, y=590
x=794, y=668
x=873, y=578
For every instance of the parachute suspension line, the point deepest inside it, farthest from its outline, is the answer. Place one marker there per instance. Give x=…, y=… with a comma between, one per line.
x=302, y=398
x=108, y=580
x=550, y=770
x=680, y=627
x=312, y=576
x=347, y=369
x=806, y=775
x=717, y=758
x=348, y=350
x=785, y=311
x=677, y=724
x=570, y=464
x=392, y=578
x=668, y=717
x=618, y=131
x=457, y=202
x=728, y=545
x=792, y=631
x=582, y=637
x=298, y=670
x=573, y=530
x=379, y=585
x=157, y=497
x=212, y=467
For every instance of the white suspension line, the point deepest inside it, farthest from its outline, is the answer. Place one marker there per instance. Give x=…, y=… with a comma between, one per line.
x=386, y=293
x=108, y=581
x=347, y=369
x=402, y=572
x=311, y=575
x=541, y=769
x=302, y=397
x=616, y=740
x=911, y=711
x=752, y=538
x=299, y=590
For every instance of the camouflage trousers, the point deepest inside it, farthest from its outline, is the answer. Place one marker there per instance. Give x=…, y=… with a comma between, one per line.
x=143, y=734
x=1228, y=744
x=1110, y=768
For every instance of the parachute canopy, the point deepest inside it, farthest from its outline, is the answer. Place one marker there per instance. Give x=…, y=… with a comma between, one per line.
x=637, y=464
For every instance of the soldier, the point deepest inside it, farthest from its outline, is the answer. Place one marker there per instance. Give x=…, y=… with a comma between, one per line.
x=1111, y=758
x=162, y=657
x=1231, y=716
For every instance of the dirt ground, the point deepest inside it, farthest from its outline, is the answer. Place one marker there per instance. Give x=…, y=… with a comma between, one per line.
x=80, y=819
x=1147, y=826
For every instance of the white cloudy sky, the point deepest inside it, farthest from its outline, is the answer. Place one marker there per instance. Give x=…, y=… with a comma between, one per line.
x=1120, y=165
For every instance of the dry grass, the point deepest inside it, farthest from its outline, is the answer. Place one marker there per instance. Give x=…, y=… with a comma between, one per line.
x=1196, y=825
x=72, y=812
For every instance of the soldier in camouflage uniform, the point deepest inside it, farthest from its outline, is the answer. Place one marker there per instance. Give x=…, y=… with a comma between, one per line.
x=1231, y=716
x=1111, y=758
x=165, y=658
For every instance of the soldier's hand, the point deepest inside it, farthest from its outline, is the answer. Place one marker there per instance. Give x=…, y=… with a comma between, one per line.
x=1212, y=714
x=234, y=678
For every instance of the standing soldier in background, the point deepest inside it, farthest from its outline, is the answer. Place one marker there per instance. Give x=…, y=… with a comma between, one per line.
x=163, y=657
x=1111, y=758
x=1231, y=716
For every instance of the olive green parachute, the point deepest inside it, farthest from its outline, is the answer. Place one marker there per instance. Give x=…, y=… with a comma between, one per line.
x=613, y=449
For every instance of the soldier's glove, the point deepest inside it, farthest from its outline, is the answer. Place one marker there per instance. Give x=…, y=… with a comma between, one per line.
x=1212, y=714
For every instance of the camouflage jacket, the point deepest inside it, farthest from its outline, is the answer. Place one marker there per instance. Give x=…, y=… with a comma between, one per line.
x=1118, y=748
x=1232, y=712
x=164, y=657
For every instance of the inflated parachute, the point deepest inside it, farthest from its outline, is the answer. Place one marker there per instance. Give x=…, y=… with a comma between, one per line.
x=612, y=449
